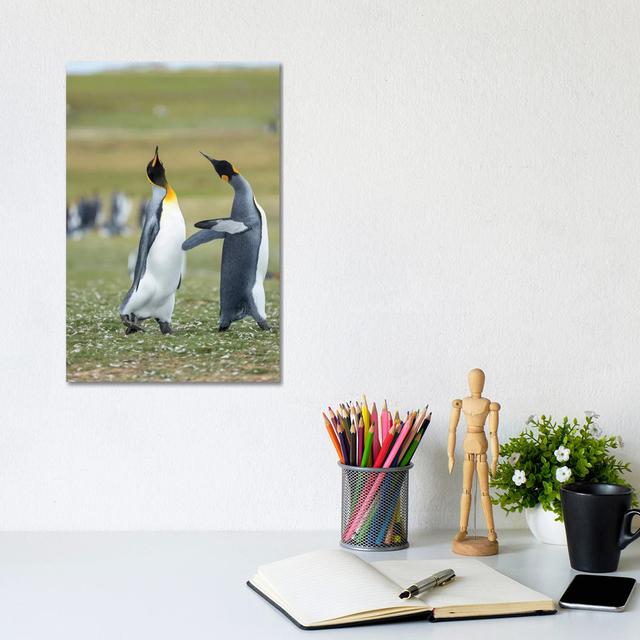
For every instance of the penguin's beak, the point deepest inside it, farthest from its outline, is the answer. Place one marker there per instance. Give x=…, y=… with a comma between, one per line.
x=211, y=160
x=155, y=157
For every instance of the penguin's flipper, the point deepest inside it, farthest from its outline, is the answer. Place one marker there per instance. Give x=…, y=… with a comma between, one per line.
x=148, y=235
x=223, y=225
x=216, y=229
x=200, y=238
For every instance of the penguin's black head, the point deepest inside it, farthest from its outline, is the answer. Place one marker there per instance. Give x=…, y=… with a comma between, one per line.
x=155, y=171
x=225, y=169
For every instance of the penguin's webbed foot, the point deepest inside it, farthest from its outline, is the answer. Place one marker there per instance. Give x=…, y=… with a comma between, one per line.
x=130, y=323
x=264, y=325
x=223, y=327
x=132, y=328
x=165, y=327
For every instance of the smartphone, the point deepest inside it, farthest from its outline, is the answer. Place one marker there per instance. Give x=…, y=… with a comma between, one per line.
x=602, y=593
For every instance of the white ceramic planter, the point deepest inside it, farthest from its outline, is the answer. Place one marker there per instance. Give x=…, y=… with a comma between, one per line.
x=544, y=526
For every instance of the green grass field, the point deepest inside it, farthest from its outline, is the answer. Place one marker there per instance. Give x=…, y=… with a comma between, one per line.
x=114, y=122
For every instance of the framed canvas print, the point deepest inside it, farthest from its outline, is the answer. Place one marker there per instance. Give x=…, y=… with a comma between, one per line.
x=173, y=222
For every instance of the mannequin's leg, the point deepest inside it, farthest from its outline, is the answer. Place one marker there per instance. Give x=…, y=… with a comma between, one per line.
x=483, y=480
x=465, y=498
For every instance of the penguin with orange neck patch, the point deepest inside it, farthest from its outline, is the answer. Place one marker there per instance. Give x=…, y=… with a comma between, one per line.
x=160, y=258
x=245, y=250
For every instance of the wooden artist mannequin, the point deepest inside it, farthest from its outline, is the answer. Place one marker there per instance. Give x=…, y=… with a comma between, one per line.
x=475, y=409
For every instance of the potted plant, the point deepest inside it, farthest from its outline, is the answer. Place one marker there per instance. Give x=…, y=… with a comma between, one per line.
x=534, y=465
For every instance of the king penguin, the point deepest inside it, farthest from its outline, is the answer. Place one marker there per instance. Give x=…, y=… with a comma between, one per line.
x=159, y=264
x=245, y=250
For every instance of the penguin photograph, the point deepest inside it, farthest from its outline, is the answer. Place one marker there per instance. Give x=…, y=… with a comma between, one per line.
x=155, y=298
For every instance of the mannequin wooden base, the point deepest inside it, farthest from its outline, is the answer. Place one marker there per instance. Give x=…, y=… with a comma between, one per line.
x=475, y=546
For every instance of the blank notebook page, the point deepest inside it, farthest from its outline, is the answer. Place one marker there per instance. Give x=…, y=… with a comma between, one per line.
x=324, y=585
x=475, y=582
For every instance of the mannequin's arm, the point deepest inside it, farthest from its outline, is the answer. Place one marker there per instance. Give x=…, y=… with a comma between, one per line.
x=494, y=408
x=453, y=425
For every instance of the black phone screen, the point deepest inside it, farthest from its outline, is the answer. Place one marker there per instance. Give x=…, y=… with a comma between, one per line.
x=598, y=591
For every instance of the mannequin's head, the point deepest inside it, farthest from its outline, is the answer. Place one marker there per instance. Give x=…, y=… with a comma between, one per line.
x=476, y=382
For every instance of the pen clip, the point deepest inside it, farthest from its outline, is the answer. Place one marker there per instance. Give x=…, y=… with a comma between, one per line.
x=447, y=580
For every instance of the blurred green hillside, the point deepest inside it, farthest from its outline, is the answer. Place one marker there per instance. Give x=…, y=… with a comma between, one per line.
x=114, y=122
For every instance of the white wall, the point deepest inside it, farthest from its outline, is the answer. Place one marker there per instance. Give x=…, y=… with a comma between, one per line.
x=461, y=188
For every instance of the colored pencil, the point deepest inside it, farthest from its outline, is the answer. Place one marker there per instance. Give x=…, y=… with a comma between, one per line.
x=344, y=445
x=384, y=449
x=353, y=457
x=334, y=438
x=366, y=454
x=385, y=533
x=402, y=436
x=368, y=442
x=376, y=432
x=360, y=436
x=390, y=492
x=332, y=422
x=412, y=434
x=334, y=419
x=406, y=459
x=385, y=422
x=365, y=414
x=353, y=416
x=338, y=425
x=344, y=417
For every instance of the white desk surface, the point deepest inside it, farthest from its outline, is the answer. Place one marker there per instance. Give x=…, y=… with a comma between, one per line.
x=187, y=586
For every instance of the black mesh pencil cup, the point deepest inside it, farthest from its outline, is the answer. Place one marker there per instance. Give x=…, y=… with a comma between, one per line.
x=375, y=506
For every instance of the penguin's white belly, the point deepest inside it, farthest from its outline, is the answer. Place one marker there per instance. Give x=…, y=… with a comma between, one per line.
x=164, y=262
x=163, y=269
x=257, y=291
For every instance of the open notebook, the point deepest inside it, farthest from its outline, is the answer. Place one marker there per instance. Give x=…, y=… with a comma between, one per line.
x=337, y=588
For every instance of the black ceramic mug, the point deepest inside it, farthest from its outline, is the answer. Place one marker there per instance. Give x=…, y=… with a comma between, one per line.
x=597, y=519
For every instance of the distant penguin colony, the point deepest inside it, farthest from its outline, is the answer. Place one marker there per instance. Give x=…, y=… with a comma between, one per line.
x=159, y=263
x=245, y=250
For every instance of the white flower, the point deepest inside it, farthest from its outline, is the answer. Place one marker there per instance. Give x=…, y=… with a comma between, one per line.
x=591, y=414
x=561, y=454
x=595, y=430
x=563, y=474
x=513, y=458
x=531, y=419
x=519, y=477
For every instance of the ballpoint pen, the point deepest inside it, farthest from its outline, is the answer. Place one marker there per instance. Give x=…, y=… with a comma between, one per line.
x=436, y=580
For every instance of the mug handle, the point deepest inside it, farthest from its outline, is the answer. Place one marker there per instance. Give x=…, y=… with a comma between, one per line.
x=626, y=537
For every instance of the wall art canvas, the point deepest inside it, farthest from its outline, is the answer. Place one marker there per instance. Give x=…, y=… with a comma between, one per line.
x=173, y=222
